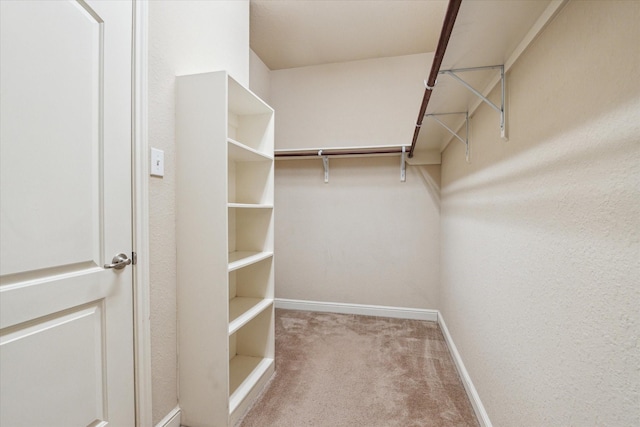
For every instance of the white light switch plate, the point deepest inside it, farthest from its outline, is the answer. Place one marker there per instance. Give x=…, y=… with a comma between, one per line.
x=157, y=162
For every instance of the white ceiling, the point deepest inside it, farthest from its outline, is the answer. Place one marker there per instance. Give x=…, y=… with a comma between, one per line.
x=297, y=33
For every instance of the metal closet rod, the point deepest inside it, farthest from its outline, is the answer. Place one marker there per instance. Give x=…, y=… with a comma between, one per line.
x=443, y=41
x=341, y=152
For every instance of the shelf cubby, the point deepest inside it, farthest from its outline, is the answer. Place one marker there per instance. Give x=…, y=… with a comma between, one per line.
x=251, y=356
x=250, y=230
x=248, y=180
x=250, y=292
x=250, y=120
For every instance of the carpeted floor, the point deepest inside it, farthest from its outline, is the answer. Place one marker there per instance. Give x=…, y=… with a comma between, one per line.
x=345, y=370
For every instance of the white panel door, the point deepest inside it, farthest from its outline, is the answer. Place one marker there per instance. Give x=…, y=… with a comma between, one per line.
x=66, y=321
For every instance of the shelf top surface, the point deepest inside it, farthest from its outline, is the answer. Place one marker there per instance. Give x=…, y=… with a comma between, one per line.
x=241, y=259
x=242, y=153
x=250, y=205
x=244, y=102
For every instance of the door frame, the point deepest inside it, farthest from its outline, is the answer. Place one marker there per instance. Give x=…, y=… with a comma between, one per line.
x=140, y=216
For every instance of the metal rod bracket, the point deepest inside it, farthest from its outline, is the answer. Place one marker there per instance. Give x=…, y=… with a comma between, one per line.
x=501, y=108
x=464, y=140
x=325, y=164
x=426, y=85
x=403, y=166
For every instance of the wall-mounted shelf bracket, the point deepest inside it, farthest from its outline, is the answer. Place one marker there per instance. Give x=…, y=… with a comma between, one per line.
x=464, y=140
x=501, y=108
x=403, y=166
x=325, y=164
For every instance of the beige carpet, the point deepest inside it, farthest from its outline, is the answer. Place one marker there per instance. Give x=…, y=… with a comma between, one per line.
x=345, y=370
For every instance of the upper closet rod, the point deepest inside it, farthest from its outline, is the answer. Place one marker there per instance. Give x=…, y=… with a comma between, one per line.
x=445, y=34
x=350, y=151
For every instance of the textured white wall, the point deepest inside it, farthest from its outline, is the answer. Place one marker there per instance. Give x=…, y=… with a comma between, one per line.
x=540, y=252
x=371, y=102
x=364, y=238
x=259, y=77
x=184, y=37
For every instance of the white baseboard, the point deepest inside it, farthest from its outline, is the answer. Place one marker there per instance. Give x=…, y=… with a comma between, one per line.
x=365, y=310
x=172, y=419
x=472, y=393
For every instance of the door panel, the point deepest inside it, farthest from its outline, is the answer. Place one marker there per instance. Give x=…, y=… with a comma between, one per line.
x=76, y=369
x=66, y=322
x=53, y=204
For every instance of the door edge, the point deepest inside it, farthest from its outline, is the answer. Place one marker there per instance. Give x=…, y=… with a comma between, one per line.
x=140, y=220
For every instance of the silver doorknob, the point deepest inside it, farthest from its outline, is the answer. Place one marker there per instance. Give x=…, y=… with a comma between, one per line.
x=119, y=262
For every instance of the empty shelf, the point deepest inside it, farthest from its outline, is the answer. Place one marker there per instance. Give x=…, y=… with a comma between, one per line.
x=250, y=205
x=243, y=309
x=239, y=152
x=244, y=374
x=241, y=259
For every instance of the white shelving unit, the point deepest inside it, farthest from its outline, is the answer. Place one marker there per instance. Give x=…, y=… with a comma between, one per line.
x=225, y=208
